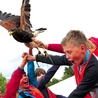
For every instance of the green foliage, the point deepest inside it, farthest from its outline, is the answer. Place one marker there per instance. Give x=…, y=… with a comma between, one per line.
x=53, y=81
x=67, y=73
x=3, y=82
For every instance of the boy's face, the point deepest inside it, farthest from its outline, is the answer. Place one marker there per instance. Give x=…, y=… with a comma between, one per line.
x=74, y=53
x=39, y=77
x=24, y=82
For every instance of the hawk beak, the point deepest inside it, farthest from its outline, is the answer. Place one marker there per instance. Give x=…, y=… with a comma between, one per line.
x=10, y=32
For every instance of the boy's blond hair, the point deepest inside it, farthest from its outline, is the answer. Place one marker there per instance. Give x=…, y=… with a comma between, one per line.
x=76, y=37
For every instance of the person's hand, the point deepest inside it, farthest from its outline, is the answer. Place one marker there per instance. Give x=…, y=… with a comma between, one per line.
x=30, y=57
x=24, y=61
x=39, y=43
x=24, y=54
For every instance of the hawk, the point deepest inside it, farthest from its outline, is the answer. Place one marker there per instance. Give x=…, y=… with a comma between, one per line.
x=20, y=26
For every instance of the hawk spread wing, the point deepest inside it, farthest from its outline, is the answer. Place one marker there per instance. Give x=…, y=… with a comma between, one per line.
x=19, y=26
x=25, y=16
x=9, y=21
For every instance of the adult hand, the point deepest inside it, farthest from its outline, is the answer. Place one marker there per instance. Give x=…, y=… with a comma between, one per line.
x=39, y=43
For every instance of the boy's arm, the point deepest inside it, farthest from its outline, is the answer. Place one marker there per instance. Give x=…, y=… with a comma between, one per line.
x=54, y=60
x=46, y=78
x=31, y=73
x=31, y=70
x=55, y=48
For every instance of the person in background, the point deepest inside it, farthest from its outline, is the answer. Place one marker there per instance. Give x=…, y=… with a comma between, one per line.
x=84, y=62
x=43, y=78
x=19, y=85
x=94, y=44
x=13, y=85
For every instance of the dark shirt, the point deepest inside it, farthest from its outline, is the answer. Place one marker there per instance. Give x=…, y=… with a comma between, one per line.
x=55, y=60
x=90, y=75
x=41, y=84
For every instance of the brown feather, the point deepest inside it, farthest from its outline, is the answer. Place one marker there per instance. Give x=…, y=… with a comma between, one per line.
x=9, y=21
x=8, y=24
x=25, y=15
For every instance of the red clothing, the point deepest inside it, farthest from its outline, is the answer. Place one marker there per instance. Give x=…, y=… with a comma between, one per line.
x=94, y=40
x=35, y=92
x=55, y=47
x=96, y=52
x=13, y=85
x=58, y=47
x=79, y=75
x=50, y=93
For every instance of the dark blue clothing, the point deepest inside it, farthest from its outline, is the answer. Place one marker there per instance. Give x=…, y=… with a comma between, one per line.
x=90, y=75
x=56, y=60
x=41, y=84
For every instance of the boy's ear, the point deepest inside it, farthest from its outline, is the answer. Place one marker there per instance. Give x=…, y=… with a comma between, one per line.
x=83, y=48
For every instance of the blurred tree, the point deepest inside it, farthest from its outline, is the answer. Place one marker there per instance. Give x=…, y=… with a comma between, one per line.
x=3, y=82
x=53, y=81
x=67, y=73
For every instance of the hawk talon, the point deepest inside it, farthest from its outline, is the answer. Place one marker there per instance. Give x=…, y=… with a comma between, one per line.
x=46, y=54
x=39, y=53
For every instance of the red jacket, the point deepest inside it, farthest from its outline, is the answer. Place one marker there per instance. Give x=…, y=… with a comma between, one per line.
x=80, y=74
x=13, y=85
x=55, y=47
x=58, y=47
